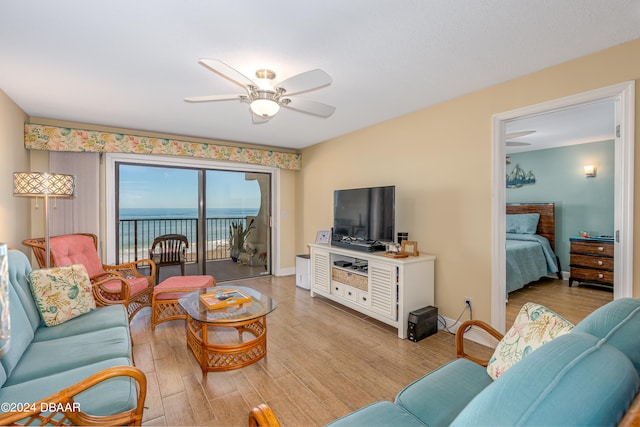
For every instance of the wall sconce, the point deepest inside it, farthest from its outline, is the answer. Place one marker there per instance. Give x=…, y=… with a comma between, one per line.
x=590, y=171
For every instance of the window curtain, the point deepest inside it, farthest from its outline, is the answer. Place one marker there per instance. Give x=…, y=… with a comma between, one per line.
x=80, y=214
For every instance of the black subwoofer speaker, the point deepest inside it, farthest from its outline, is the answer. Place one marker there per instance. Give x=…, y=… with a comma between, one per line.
x=422, y=323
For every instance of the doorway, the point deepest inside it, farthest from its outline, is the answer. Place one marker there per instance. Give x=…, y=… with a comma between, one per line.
x=623, y=96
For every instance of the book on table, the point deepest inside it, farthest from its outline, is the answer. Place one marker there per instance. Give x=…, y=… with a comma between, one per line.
x=224, y=298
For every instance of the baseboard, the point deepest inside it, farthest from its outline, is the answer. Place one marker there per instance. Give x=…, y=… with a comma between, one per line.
x=289, y=271
x=474, y=334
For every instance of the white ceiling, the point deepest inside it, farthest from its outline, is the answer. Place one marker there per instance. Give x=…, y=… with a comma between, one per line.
x=580, y=124
x=130, y=64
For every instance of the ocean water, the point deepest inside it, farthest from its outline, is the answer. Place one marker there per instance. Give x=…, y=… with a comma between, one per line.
x=137, y=236
x=164, y=213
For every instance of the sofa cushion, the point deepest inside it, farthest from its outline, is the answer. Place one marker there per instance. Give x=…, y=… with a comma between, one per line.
x=379, y=414
x=70, y=352
x=438, y=397
x=62, y=293
x=95, y=320
x=19, y=269
x=109, y=397
x=534, y=326
x=21, y=331
x=619, y=324
x=574, y=380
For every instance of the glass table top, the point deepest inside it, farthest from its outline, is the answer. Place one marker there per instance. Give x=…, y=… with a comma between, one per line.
x=260, y=305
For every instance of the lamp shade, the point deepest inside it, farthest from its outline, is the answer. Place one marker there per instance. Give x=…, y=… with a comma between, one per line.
x=265, y=107
x=33, y=184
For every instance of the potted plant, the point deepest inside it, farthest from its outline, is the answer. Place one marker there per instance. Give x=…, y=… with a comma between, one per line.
x=237, y=237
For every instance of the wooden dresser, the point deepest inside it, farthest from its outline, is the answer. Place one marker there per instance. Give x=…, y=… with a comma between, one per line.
x=591, y=260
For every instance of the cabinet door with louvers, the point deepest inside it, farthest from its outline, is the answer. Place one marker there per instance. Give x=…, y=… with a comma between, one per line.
x=320, y=271
x=383, y=288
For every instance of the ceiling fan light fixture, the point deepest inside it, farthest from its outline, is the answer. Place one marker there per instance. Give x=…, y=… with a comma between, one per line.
x=265, y=107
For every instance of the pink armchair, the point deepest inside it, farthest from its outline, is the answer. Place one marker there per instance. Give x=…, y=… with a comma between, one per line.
x=122, y=283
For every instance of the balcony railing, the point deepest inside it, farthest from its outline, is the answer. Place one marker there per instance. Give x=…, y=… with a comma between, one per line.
x=135, y=236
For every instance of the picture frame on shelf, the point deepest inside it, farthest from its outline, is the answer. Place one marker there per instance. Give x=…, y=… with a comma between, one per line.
x=323, y=236
x=410, y=248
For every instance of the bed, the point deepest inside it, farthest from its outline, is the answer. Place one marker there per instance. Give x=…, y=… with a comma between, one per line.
x=530, y=243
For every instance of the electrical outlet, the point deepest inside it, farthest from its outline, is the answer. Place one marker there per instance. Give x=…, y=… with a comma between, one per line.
x=468, y=302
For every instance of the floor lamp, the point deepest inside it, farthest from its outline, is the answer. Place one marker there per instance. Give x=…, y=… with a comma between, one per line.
x=45, y=185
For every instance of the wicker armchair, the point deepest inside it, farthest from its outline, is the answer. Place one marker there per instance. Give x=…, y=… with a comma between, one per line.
x=122, y=283
x=62, y=409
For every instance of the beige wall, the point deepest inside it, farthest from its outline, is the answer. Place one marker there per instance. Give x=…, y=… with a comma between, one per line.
x=14, y=211
x=440, y=160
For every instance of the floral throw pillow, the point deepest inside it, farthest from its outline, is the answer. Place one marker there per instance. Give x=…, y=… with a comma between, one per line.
x=62, y=293
x=534, y=326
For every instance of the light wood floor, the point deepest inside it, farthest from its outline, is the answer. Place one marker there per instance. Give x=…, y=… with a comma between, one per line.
x=323, y=361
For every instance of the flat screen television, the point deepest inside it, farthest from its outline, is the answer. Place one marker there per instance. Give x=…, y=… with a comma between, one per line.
x=364, y=214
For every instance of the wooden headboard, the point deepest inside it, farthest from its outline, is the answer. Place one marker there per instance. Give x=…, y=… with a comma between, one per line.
x=547, y=223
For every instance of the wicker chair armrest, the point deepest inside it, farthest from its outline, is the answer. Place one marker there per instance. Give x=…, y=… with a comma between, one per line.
x=263, y=416
x=62, y=404
x=460, y=339
x=99, y=291
x=131, y=269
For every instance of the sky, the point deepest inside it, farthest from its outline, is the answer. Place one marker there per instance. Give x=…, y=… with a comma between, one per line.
x=161, y=187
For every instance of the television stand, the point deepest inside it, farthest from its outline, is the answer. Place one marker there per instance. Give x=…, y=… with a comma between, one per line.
x=386, y=289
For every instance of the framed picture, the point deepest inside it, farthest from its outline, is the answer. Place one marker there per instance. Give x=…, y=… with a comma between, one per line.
x=410, y=248
x=323, y=236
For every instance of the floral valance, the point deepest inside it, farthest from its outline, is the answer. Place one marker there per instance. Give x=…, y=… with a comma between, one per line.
x=53, y=138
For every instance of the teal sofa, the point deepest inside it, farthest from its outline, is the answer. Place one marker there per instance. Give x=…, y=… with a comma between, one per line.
x=78, y=372
x=588, y=377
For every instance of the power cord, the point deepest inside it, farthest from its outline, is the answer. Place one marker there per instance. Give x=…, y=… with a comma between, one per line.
x=446, y=327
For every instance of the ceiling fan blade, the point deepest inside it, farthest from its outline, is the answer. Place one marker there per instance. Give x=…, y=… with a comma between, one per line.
x=304, y=82
x=516, y=144
x=207, y=98
x=226, y=71
x=311, y=107
x=515, y=135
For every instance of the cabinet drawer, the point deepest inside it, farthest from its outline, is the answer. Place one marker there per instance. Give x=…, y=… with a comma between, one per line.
x=337, y=288
x=358, y=281
x=592, y=248
x=589, y=275
x=363, y=298
x=601, y=263
x=350, y=293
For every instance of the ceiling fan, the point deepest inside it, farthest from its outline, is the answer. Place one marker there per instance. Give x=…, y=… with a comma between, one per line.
x=265, y=96
x=515, y=135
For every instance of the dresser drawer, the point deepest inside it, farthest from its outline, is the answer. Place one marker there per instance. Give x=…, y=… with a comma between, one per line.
x=592, y=261
x=590, y=275
x=592, y=248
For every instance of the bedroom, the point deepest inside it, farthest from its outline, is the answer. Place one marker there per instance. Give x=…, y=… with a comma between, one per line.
x=552, y=173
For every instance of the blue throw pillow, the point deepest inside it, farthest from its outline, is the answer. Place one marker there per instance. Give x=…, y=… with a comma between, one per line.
x=522, y=223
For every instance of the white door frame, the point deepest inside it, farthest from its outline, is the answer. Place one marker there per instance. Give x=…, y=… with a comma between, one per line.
x=624, y=96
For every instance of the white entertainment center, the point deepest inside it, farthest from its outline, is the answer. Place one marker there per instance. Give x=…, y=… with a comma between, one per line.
x=386, y=289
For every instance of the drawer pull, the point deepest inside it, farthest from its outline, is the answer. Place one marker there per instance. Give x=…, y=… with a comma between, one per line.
x=600, y=248
x=600, y=262
x=600, y=276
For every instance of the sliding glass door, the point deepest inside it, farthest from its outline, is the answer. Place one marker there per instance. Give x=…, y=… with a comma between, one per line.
x=225, y=216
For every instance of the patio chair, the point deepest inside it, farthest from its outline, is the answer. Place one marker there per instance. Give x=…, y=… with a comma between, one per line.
x=169, y=249
x=122, y=282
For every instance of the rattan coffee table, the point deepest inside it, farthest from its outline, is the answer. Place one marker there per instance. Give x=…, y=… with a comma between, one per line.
x=217, y=338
